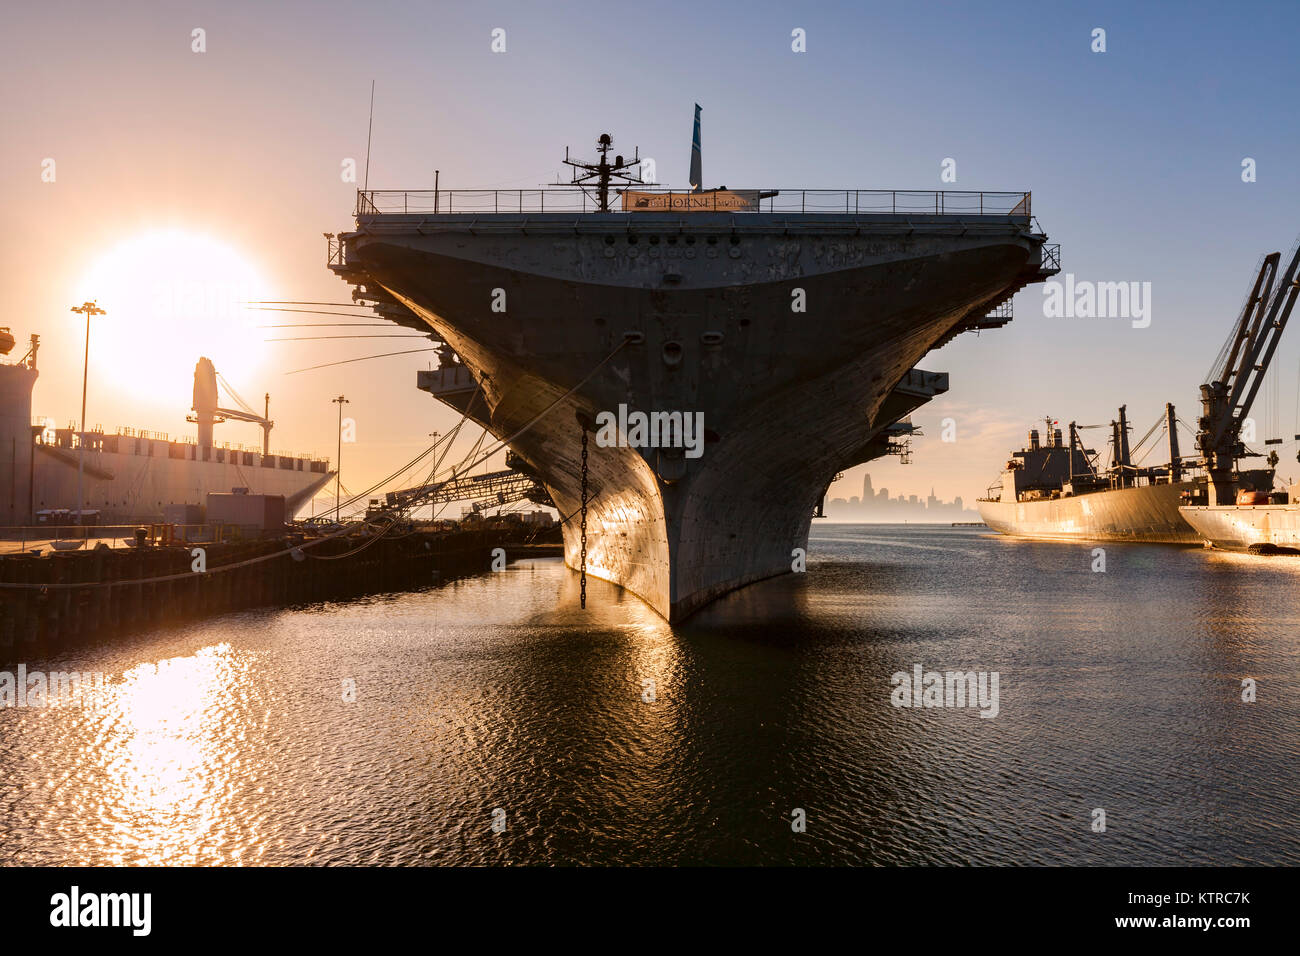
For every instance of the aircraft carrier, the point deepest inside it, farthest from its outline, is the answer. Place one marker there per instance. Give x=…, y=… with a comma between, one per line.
x=791, y=320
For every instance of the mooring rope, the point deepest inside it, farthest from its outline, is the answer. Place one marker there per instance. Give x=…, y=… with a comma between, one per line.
x=185, y=575
x=548, y=409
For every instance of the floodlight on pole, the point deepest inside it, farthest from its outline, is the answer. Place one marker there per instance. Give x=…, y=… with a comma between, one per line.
x=88, y=309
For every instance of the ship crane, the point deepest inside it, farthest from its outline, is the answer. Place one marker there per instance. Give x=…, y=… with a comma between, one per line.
x=207, y=413
x=1089, y=455
x=1227, y=398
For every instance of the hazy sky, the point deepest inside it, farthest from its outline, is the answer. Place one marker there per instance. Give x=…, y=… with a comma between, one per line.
x=1133, y=155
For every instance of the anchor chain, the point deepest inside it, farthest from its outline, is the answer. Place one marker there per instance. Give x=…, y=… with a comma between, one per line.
x=583, y=580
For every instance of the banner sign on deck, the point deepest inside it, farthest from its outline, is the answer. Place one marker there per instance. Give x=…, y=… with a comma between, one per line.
x=713, y=200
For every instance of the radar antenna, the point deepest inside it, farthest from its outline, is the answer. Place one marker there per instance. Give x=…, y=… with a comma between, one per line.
x=603, y=171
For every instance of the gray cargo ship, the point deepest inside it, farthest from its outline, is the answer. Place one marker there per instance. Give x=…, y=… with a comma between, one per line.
x=1055, y=489
x=791, y=321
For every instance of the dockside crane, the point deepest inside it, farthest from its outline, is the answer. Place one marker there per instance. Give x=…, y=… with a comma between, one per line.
x=1227, y=398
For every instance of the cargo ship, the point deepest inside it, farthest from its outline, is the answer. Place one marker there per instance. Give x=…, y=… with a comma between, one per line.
x=790, y=322
x=1055, y=490
x=1260, y=523
x=133, y=476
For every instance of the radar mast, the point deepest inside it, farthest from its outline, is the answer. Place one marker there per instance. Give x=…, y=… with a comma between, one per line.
x=603, y=171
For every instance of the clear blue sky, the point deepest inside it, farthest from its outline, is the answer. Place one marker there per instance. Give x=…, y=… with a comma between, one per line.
x=1133, y=155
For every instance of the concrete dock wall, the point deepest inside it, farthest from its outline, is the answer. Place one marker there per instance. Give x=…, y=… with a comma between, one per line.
x=72, y=599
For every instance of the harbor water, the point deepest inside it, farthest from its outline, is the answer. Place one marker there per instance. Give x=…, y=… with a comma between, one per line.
x=490, y=720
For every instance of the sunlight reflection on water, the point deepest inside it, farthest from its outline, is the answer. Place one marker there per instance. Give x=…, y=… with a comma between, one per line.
x=609, y=737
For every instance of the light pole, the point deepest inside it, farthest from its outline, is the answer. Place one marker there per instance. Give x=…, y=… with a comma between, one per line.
x=88, y=309
x=338, y=463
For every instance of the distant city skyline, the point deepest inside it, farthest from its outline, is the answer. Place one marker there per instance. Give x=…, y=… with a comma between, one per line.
x=873, y=505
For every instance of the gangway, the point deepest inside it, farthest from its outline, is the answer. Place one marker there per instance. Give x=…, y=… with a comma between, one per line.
x=485, y=491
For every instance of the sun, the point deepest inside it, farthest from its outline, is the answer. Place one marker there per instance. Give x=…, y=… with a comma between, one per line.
x=171, y=296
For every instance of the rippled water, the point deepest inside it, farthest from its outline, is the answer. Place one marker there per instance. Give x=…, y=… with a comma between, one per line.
x=230, y=742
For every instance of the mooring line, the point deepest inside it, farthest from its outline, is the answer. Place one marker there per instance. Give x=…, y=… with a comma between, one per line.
x=88, y=585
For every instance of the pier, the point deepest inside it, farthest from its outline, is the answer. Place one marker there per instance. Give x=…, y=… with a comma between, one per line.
x=68, y=599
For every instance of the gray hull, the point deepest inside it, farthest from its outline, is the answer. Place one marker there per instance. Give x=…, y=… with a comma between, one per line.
x=1148, y=513
x=788, y=398
x=1245, y=526
x=127, y=487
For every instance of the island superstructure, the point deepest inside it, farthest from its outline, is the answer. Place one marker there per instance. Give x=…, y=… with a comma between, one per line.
x=792, y=321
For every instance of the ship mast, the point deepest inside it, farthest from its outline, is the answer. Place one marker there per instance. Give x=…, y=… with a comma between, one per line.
x=1175, y=459
x=1121, y=460
x=603, y=171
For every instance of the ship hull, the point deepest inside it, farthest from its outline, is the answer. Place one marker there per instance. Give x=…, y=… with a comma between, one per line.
x=128, y=488
x=128, y=477
x=788, y=396
x=1242, y=527
x=1149, y=513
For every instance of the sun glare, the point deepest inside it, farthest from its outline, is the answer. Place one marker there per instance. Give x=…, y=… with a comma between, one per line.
x=172, y=296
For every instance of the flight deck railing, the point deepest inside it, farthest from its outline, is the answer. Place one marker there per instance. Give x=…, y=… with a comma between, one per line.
x=795, y=201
